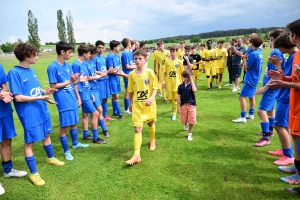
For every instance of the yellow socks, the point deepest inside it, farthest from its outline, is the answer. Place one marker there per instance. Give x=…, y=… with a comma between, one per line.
x=208, y=81
x=137, y=142
x=152, y=132
x=174, y=106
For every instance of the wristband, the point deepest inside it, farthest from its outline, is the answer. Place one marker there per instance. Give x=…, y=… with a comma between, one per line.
x=98, y=76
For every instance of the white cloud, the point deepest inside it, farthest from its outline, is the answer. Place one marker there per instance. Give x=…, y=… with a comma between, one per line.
x=12, y=38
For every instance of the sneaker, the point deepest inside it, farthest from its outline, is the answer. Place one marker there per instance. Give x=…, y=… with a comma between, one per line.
x=228, y=84
x=127, y=112
x=208, y=89
x=164, y=101
x=2, y=190
x=278, y=152
x=80, y=145
x=120, y=118
x=15, y=173
x=105, y=133
x=152, y=145
x=100, y=141
x=283, y=161
x=293, y=190
x=190, y=138
x=89, y=137
x=133, y=160
x=271, y=134
x=174, y=117
x=250, y=117
x=55, y=161
x=68, y=156
x=36, y=179
x=219, y=87
x=107, y=118
x=288, y=169
x=160, y=95
x=262, y=142
x=293, y=179
x=186, y=127
x=240, y=120
x=234, y=89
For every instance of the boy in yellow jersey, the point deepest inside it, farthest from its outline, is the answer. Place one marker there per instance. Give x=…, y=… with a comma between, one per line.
x=210, y=55
x=172, y=77
x=221, y=63
x=155, y=65
x=202, y=64
x=142, y=86
x=162, y=56
x=181, y=51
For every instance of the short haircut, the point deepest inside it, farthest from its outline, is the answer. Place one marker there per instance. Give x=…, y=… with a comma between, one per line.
x=233, y=39
x=140, y=52
x=142, y=44
x=82, y=49
x=275, y=33
x=202, y=45
x=182, y=42
x=283, y=41
x=159, y=42
x=187, y=48
x=256, y=40
x=99, y=42
x=187, y=73
x=113, y=44
x=208, y=41
x=193, y=47
x=93, y=49
x=132, y=41
x=294, y=27
x=221, y=42
x=24, y=50
x=61, y=45
x=125, y=42
x=174, y=48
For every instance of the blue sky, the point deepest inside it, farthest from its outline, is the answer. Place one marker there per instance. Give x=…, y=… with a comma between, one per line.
x=137, y=19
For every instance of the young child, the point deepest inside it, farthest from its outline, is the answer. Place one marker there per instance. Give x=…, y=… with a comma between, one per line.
x=172, y=78
x=187, y=101
x=142, y=86
x=197, y=61
x=187, y=59
x=29, y=101
x=62, y=78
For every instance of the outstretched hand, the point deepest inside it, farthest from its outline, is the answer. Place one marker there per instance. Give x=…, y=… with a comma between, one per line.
x=276, y=75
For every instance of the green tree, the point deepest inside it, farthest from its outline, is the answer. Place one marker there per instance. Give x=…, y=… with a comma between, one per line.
x=227, y=39
x=61, y=27
x=33, y=37
x=7, y=47
x=70, y=29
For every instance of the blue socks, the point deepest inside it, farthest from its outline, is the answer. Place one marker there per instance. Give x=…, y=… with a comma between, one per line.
x=251, y=111
x=31, y=164
x=49, y=151
x=95, y=133
x=117, y=107
x=114, y=107
x=7, y=166
x=104, y=108
x=288, y=152
x=265, y=129
x=126, y=103
x=64, y=143
x=243, y=114
x=271, y=126
x=85, y=133
x=102, y=124
x=74, y=136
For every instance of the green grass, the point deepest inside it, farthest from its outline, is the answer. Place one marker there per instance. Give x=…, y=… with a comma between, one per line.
x=220, y=163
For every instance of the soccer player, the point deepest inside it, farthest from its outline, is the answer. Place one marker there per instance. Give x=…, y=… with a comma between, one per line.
x=247, y=47
x=210, y=55
x=7, y=130
x=155, y=62
x=187, y=101
x=221, y=63
x=266, y=107
x=292, y=82
x=237, y=51
x=180, y=52
x=187, y=59
x=113, y=62
x=31, y=107
x=197, y=61
x=162, y=56
x=172, y=78
x=142, y=86
x=100, y=62
x=203, y=63
x=62, y=78
x=254, y=69
x=283, y=43
x=127, y=66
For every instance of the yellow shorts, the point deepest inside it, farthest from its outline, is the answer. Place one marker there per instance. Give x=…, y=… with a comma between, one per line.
x=172, y=95
x=220, y=70
x=196, y=72
x=210, y=71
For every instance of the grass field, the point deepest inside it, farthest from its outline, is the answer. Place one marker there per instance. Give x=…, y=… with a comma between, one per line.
x=220, y=163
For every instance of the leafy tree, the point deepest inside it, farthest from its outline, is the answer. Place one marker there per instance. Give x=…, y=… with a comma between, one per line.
x=227, y=39
x=7, y=47
x=33, y=37
x=174, y=40
x=62, y=36
x=195, y=39
x=70, y=29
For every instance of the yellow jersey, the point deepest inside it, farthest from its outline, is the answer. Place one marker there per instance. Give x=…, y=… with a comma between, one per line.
x=155, y=58
x=180, y=54
x=202, y=56
x=142, y=86
x=173, y=69
x=210, y=54
x=162, y=57
x=222, y=53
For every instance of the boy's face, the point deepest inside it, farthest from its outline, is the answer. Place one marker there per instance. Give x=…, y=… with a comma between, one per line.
x=221, y=45
x=202, y=48
x=161, y=47
x=292, y=37
x=32, y=59
x=133, y=46
x=186, y=79
x=173, y=53
x=87, y=56
x=187, y=52
x=67, y=54
x=194, y=51
x=182, y=45
x=139, y=60
x=100, y=49
x=92, y=55
x=117, y=49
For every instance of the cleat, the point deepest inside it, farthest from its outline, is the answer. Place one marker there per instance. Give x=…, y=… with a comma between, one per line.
x=292, y=180
x=2, y=190
x=80, y=145
x=288, y=169
x=262, y=142
x=250, y=117
x=105, y=133
x=186, y=127
x=152, y=145
x=164, y=101
x=174, y=117
x=89, y=137
x=107, y=118
x=208, y=89
x=135, y=159
x=160, y=95
x=190, y=138
x=240, y=120
x=228, y=84
x=36, y=179
x=120, y=118
x=127, y=112
x=283, y=161
x=68, y=155
x=15, y=173
x=234, y=89
x=293, y=190
x=55, y=161
x=278, y=152
x=100, y=141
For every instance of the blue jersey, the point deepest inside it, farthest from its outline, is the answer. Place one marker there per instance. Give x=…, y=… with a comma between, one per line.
x=81, y=68
x=100, y=63
x=5, y=108
x=65, y=97
x=249, y=50
x=114, y=62
x=24, y=81
x=91, y=68
x=255, y=62
x=270, y=66
x=284, y=93
x=126, y=58
x=236, y=60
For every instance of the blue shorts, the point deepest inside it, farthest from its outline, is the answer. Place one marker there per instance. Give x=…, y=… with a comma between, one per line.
x=104, y=90
x=115, y=87
x=98, y=101
x=282, y=114
x=37, y=133
x=268, y=99
x=247, y=91
x=88, y=106
x=68, y=117
x=237, y=70
x=125, y=83
x=7, y=127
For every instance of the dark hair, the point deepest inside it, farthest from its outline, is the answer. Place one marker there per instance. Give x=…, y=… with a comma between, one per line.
x=187, y=48
x=174, y=48
x=294, y=27
x=221, y=42
x=283, y=40
x=202, y=45
x=63, y=46
x=99, y=42
x=142, y=44
x=193, y=47
x=140, y=52
x=125, y=42
x=93, y=49
x=187, y=73
x=23, y=51
x=82, y=49
x=275, y=33
x=208, y=41
x=256, y=40
x=182, y=42
x=113, y=44
x=159, y=42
